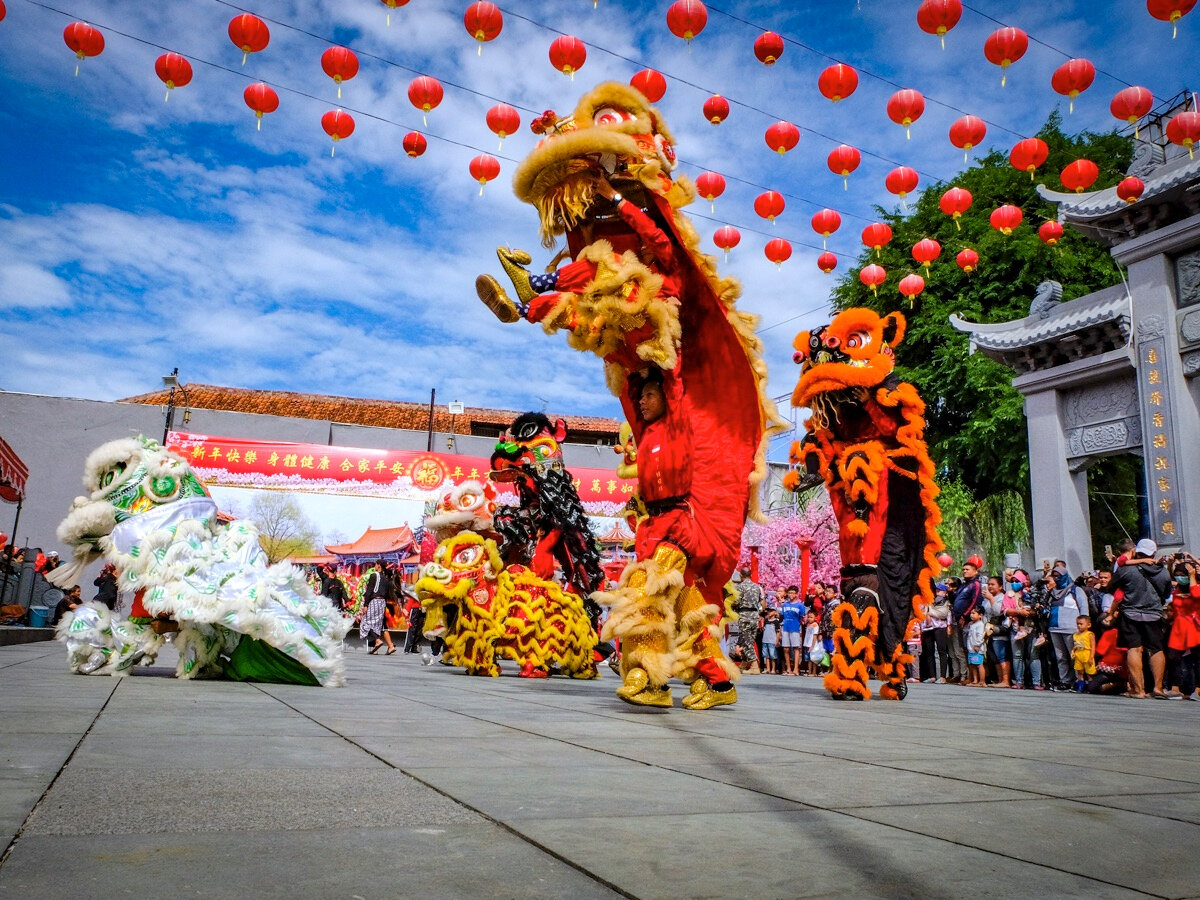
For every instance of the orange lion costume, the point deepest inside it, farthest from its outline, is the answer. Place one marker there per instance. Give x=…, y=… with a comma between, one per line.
x=866, y=442
x=641, y=295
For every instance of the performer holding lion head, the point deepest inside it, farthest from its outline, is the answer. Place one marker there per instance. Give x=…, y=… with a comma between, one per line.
x=683, y=360
x=865, y=440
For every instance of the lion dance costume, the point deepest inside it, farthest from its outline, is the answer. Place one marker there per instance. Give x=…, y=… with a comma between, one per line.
x=490, y=590
x=237, y=616
x=866, y=442
x=641, y=295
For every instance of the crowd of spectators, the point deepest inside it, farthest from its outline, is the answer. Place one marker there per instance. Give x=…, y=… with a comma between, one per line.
x=1132, y=629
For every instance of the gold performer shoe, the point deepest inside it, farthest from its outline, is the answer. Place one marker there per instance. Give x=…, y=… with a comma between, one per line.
x=638, y=690
x=704, y=697
x=494, y=298
x=514, y=262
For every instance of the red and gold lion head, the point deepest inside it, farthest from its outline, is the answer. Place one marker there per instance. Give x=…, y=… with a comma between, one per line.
x=613, y=134
x=852, y=351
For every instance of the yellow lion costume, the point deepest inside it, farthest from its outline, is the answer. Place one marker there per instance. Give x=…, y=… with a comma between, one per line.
x=501, y=613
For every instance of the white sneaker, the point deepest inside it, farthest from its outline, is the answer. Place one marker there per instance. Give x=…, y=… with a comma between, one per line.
x=426, y=658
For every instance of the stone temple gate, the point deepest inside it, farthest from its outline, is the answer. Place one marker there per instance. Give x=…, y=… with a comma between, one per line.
x=1115, y=371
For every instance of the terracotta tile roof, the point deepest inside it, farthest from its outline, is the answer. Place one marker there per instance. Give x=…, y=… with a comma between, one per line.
x=375, y=541
x=356, y=411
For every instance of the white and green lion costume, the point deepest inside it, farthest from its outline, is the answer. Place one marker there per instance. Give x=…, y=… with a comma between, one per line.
x=238, y=617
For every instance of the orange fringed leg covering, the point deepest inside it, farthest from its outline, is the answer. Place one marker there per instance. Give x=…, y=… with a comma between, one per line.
x=894, y=673
x=854, y=639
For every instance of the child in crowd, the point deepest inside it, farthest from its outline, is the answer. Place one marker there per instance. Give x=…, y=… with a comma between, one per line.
x=976, y=642
x=770, y=641
x=1084, y=652
x=814, y=649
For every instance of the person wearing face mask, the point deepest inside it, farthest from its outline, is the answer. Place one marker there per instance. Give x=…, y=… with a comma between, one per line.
x=1183, y=642
x=1067, y=603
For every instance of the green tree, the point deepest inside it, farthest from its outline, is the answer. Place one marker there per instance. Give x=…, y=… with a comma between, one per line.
x=975, y=421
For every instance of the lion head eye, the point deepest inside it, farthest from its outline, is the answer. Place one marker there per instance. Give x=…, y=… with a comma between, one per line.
x=858, y=339
x=467, y=556
x=609, y=115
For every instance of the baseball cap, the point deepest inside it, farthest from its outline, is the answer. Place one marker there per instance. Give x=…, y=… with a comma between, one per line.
x=1059, y=570
x=1146, y=547
x=53, y=554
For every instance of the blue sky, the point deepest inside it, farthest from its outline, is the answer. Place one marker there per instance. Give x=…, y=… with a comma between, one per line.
x=139, y=235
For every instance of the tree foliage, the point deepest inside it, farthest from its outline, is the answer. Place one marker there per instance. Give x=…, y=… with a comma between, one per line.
x=976, y=425
x=283, y=528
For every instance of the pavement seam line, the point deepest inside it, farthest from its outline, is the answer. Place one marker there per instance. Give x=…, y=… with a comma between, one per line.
x=53, y=781
x=524, y=838
x=799, y=803
x=30, y=659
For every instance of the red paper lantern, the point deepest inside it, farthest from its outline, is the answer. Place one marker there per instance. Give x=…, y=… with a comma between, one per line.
x=338, y=125
x=1072, y=78
x=425, y=93
x=652, y=84
x=1004, y=47
x=769, y=205
x=843, y=160
x=483, y=22
x=768, y=47
x=173, y=70
x=826, y=262
x=503, y=120
x=938, y=17
x=1131, y=104
x=262, y=99
x=872, y=276
x=778, y=251
x=568, y=54
x=716, y=109
x=483, y=169
x=414, y=144
x=782, y=137
x=340, y=64
x=967, y=260
x=1005, y=218
x=911, y=285
x=249, y=34
x=825, y=222
x=945, y=560
x=905, y=107
x=1028, y=154
x=392, y=4
x=687, y=18
x=727, y=237
x=83, y=40
x=954, y=202
x=3, y=13
x=925, y=251
x=1170, y=11
x=838, y=82
x=1130, y=189
x=967, y=132
x=1050, y=232
x=876, y=235
x=901, y=181
x=1080, y=175
x=710, y=186
x=1184, y=130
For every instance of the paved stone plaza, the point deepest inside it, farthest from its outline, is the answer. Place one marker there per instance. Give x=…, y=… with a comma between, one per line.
x=422, y=782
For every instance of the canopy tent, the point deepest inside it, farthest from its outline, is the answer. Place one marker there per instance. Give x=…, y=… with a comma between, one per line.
x=13, y=474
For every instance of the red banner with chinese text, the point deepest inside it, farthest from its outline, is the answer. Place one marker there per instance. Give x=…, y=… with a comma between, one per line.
x=401, y=474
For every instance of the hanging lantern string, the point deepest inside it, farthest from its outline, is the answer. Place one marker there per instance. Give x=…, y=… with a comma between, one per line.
x=762, y=187
x=282, y=88
x=1050, y=47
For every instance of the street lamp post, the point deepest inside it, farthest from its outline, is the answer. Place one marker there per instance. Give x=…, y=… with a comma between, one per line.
x=172, y=381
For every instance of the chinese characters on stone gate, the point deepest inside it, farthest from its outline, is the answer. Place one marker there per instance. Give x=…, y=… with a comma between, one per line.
x=1160, y=451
